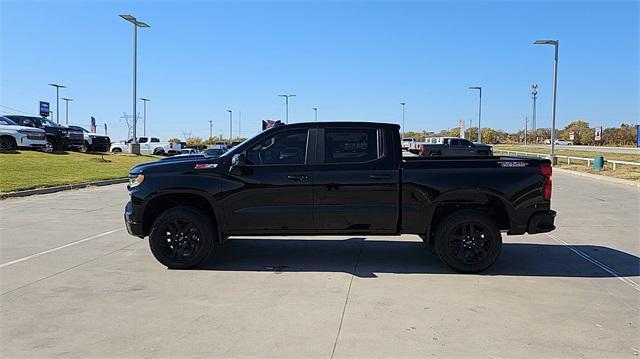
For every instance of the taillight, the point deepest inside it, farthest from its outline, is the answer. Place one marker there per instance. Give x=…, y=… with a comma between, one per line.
x=546, y=171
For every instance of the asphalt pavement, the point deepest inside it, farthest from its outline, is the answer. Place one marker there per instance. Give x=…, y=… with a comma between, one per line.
x=74, y=284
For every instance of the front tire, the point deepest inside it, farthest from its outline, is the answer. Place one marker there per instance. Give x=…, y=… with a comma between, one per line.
x=182, y=238
x=84, y=148
x=468, y=241
x=8, y=144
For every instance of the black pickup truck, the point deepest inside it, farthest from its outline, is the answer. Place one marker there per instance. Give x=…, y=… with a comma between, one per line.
x=337, y=178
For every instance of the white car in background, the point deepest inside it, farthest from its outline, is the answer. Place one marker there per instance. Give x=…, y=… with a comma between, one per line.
x=559, y=142
x=149, y=146
x=14, y=136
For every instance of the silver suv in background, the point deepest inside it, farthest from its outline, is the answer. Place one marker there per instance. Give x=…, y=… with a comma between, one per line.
x=14, y=136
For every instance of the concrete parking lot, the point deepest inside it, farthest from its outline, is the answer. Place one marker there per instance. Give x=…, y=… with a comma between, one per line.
x=75, y=284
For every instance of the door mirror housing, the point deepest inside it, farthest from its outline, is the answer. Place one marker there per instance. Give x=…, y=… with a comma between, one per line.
x=238, y=163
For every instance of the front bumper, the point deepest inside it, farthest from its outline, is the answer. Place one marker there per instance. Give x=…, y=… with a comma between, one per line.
x=134, y=228
x=29, y=140
x=542, y=222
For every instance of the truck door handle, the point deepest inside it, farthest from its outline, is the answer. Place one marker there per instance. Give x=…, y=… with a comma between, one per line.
x=297, y=177
x=379, y=177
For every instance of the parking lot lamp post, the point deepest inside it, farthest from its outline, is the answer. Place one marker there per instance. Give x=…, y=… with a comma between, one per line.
x=230, y=124
x=135, y=148
x=534, y=96
x=315, y=110
x=555, y=43
x=286, y=106
x=210, y=129
x=144, y=118
x=402, y=104
x=479, y=111
x=66, y=107
x=58, y=87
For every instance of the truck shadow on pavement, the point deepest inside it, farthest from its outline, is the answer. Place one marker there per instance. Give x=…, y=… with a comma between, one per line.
x=371, y=256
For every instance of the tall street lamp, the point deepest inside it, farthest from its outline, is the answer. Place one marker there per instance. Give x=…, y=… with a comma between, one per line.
x=66, y=103
x=210, y=129
x=230, y=124
x=144, y=118
x=479, y=112
x=135, y=147
x=555, y=44
x=402, y=104
x=534, y=96
x=58, y=87
x=286, y=105
x=315, y=110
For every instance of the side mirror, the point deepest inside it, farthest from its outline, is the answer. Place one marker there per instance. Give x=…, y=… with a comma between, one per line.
x=238, y=162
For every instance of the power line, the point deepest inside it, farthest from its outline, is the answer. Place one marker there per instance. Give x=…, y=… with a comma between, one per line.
x=15, y=109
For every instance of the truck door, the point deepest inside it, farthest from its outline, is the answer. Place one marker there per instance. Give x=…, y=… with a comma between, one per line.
x=144, y=145
x=457, y=147
x=274, y=191
x=356, y=185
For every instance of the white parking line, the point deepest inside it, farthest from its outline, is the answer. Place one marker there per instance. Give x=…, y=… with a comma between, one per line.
x=596, y=262
x=61, y=247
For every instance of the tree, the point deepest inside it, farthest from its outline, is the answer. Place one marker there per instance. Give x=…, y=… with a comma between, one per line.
x=174, y=140
x=194, y=141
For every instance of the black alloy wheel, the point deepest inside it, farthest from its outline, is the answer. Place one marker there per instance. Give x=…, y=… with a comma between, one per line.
x=181, y=238
x=468, y=241
x=7, y=144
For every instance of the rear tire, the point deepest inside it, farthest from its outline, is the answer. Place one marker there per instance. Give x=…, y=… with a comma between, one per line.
x=158, y=152
x=468, y=241
x=8, y=144
x=182, y=238
x=117, y=150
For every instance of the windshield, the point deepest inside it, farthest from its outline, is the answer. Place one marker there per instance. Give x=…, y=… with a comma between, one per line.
x=6, y=121
x=47, y=122
x=234, y=149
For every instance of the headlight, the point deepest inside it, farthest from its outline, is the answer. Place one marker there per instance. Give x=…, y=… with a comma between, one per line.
x=26, y=132
x=135, y=180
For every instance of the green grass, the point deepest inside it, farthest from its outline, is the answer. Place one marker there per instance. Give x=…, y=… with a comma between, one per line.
x=624, y=172
x=31, y=169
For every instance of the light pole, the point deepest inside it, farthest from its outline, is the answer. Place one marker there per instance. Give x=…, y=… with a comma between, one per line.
x=526, y=124
x=315, y=110
x=210, y=129
x=402, y=104
x=555, y=43
x=144, y=118
x=135, y=147
x=534, y=96
x=58, y=87
x=66, y=106
x=286, y=105
x=479, y=112
x=239, y=123
x=230, y=124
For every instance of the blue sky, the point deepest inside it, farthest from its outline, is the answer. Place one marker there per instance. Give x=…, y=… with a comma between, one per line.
x=353, y=60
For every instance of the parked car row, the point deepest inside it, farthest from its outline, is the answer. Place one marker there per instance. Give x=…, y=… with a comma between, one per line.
x=31, y=132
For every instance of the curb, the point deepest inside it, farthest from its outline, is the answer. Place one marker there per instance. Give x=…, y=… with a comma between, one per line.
x=31, y=192
x=600, y=177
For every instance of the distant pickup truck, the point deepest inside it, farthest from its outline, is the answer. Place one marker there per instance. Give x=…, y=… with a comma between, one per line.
x=149, y=146
x=452, y=146
x=337, y=178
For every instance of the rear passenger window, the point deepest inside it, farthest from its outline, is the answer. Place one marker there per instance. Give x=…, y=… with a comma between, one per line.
x=351, y=145
x=153, y=139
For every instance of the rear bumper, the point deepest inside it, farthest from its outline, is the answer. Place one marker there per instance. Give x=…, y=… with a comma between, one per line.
x=542, y=222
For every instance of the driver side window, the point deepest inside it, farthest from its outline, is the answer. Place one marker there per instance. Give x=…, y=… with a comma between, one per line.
x=284, y=148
